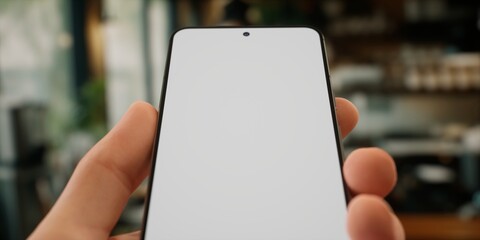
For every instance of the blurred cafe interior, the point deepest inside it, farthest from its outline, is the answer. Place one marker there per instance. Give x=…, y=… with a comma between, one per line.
x=69, y=70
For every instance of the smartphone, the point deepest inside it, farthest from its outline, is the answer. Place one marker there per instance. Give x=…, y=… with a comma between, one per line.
x=247, y=145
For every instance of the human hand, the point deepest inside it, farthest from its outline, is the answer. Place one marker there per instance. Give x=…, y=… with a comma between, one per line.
x=103, y=180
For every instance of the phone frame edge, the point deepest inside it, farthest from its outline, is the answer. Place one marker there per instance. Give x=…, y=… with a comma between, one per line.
x=331, y=98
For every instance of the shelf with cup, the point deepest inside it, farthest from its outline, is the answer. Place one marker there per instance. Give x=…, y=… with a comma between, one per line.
x=414, y=70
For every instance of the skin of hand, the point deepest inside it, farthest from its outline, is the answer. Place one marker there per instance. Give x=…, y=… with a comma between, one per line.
x=103, y=180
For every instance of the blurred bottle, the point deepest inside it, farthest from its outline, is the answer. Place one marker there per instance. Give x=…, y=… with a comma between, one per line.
x=429, y=80
x=445, y=81
x=412, y=10
x=413, y=79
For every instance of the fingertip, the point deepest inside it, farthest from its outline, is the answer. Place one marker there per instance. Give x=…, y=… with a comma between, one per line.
x=143, y=109
x=127, y=147
x=140, y=116
x=371, y=171
x=347, y=115
x=370, y=217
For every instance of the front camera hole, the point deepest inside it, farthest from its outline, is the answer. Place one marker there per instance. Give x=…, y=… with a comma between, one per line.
x=246, y=34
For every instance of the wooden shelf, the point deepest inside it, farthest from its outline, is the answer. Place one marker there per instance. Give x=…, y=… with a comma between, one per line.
x=439, y=227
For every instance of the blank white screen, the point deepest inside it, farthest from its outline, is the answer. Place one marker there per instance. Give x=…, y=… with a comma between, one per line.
x=247, y=145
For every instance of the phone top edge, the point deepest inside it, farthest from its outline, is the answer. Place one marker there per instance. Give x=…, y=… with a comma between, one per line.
x=249, y=27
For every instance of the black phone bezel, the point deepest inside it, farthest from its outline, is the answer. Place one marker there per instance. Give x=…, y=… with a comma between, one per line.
x=331, y=97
